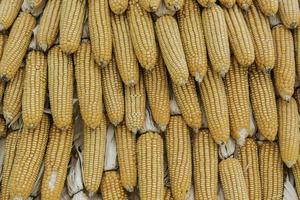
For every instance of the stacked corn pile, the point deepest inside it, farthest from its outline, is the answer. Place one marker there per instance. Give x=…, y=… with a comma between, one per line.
x=149, y=99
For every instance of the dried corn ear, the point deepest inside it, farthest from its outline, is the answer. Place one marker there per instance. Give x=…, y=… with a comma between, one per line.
x=174, y=5
x=227, y=3
x=244, y=4
x=150, y=5
x=3, y=39
x=289, y=13
x=118, y=7
x=207, y=3
x=268, y=7
x=297, y=49
x=8, y=12
x=3, y=130
x=111, y=188
x=296, y=173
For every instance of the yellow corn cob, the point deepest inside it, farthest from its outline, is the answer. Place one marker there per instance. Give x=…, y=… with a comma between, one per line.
x=117, y=6
x=111, y=188
x=3, y=39
x=12, y=101
x=213, y=95
x=8, y=12
x=248, y=157
x=89, y=89
x=216, y=37
x=123, y=49
x=297, y=50
x=93, y=155
x=56, y=162
x=239, y=36
x=150, y=174
x=289, y=13
x=174, y=5
x=232, y=179
x=179, y=164
x=100, y=31
x=268, y=7
x=227, y=3
x=126, y=149
x=2, y=127
x=34, y=94
x=297, y=98
x=187, y=100
x=167, y=194
x=191, y=31
x=263, y=103
x=171, y=48
x=262, y=38
x=244, y=4
x=288, y=131
x=271, y=171
x=16, y=46
x=2, y=90
x=29, y=157
x=207, y=3
x=113, y=94
x=71, y=24
x=49, y=25
x=135, y=106
x=237, y=92
x=150, y=5
x=142, y=35
x=296, y=173
x=60, y=85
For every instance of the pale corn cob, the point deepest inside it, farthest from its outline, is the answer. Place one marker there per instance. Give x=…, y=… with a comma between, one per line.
x=29, y=157
x=34, y=94
x=168, y=35
x=191, y=31
x=213, y=95
x=248, y=157
x=36, y=4
x=100, y=31
x=167, y=194
x=289, y=13
x=259, y=26
x=207, y=3
x=49, y=25
x=111, y=188
x=237, y=92
x=271, y=171
x=297, y=50
x=126, y=149
x=244, y=4
x=284, y=70
x=296, y=173
x=227, y=3
x=16, y=46
x=94, y=142
x=150, y=5
x=56, y=162
x=124, y=52
x=288, y=131
x=263, y=103
x=113, y=94
x=142, y=35
x=60, y=86
x=205, y=162
x=3, y=39
x=239, y=36
x=2, y=127
x=150, y=174
x=89, y=89
x=216, y=38
x=118, y=6
x=12, y=101
x=268, y=7
x=232, y=179
x=187, y=100
x=8, y=12
x=71, y=24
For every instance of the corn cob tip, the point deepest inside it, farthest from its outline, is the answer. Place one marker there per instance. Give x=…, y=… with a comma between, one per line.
x=243, y=135
x=103, y=63
x=44, y=47
x=245, y=6
x=293, y=25
x=129, y=189
x=223, y=71
x=30, y=126
x=175, y=7
x=198, y=77
x=284, y=96
x=289, y=163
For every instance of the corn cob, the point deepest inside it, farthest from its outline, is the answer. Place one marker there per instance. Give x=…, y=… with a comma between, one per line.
x=8, y=12
x=60, y=85
x=289, y=13
x=56, y=162
x=227, y=3
x=239, y=36
x=191, y=31
x=34, y=94
x=207, y=3
x=296, y=173
x=216, y=38
x=263, y=103
x=89, y=89
x=16, y=46
x=237, y=92
x=142, y=35
x=231, y=174
x=171, y=48
x=288, y=131
x=174, y=5
x=213, y=95
x=118, y=7
x=150, y=174
x=150, y=5
x=268, y=7
x=126, y=149
x=271, y=171
x=2, y=127
x=262, y=38
x=113, y=94
x=123, y=49
x=36, y=4
x=100, y=31
x=297, y=50
x=2, y=90
x=297, y=98
x=244, y=4
x=3, y=39
x=49, y=25
x=111, y=188
x=248, y=157
x=93, y=155
x=71, y=24
x=167, y=194
x=29, y=156
x=12, y=101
